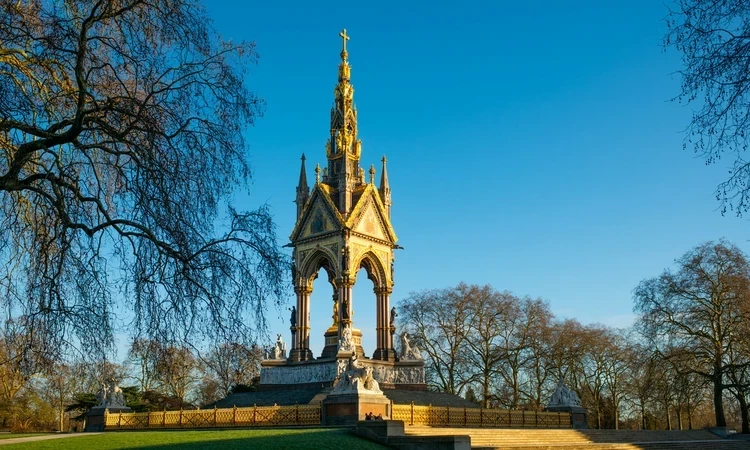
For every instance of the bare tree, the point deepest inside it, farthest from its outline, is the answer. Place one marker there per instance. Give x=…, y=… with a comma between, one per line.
x=694, y=313
x=617, y=351
x=592, y=367
x=486, y=308
x=58, y=386
x=518, y=322
x=567, y=346
x=143, y=359
x=438, y=321
x=121, y=140
x=714, y=40
x=642, y=373
x=538, y=373
x=738, y=370
x=177, y=371
x=232, y=363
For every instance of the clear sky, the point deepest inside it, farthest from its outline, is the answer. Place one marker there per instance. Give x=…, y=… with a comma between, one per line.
x=531, y=144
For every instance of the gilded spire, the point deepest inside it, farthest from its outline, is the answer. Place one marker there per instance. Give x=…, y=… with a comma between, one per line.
x=343, y=148
x=343, y=114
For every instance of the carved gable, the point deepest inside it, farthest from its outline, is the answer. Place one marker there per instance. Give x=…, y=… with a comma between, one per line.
x=369, y=219
x=369, y=224
x=318, y=218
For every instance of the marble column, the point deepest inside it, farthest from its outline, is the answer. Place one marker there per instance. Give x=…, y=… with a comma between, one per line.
x=345, y=303
x=301, y=346
x=385, y=350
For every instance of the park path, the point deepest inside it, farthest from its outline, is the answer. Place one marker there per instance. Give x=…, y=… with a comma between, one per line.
x=21, y=440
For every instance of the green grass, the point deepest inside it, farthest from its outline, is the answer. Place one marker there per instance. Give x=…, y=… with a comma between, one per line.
x=18, y=435
x=307, y=438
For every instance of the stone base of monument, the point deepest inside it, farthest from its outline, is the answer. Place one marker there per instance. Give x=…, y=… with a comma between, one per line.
x=348, y=409
x=579, y=418
x=332, y=342
x=95, y=418
x=282, y=374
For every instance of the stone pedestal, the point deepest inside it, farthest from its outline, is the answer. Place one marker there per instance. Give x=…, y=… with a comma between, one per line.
x=579, y=418
x=96, y=416
x=348, y=409
x=301, y=354
x=332, y=342
x=384, y=354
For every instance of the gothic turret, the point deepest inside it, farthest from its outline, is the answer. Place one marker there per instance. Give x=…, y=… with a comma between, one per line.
x=303, y=191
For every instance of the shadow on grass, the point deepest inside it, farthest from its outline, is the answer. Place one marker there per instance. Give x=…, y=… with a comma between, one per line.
x=308, y=439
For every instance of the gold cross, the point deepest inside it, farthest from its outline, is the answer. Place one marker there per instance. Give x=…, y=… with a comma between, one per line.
x=344, y=38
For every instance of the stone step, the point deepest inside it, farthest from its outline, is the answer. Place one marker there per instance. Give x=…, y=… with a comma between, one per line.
x=555, y=439
x=616, y=440
x=509, y=436
x=684, y=445
x=320, y=396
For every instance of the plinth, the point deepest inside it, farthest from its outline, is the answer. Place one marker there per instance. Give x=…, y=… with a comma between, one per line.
x=348, y=409
x=578, y=415
x=95, y=418
x=332, y=342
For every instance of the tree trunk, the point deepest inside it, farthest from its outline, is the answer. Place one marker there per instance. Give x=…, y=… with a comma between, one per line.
x=617, y=417
x=643, y=417
x=679, y=417
x=690, y=417
x=486, y=390
x=744, y=411
x=721, y=421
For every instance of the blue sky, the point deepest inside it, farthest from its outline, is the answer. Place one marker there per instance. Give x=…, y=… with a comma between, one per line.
x=531, y=145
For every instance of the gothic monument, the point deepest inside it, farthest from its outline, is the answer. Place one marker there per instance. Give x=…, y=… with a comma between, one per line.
x=343, y=224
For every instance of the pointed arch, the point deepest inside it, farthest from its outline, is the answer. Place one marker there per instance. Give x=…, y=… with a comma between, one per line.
x=374, y=268
x=320, y=258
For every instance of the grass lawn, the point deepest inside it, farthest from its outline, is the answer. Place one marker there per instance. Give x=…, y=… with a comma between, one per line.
x=18, y=435
x=290, y=438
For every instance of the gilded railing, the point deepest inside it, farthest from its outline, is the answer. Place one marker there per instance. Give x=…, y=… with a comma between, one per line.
x=260, y=416
x=445, y=416
x=264, y=416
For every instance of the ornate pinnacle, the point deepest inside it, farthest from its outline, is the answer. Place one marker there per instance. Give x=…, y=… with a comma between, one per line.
x=372, y=174
x=317, y=173
x=302, y=186
x=303, y=191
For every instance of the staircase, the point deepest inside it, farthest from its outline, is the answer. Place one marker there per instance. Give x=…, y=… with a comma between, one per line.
x=548, y=439
x=319, y=397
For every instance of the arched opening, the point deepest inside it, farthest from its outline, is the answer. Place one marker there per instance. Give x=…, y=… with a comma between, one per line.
x=365, y=311
x=369, y=298
x=321, y=310
x=312, y=304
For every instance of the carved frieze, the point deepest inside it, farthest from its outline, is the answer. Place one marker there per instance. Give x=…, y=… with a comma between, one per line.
x=298, y=374
x=328, y=371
